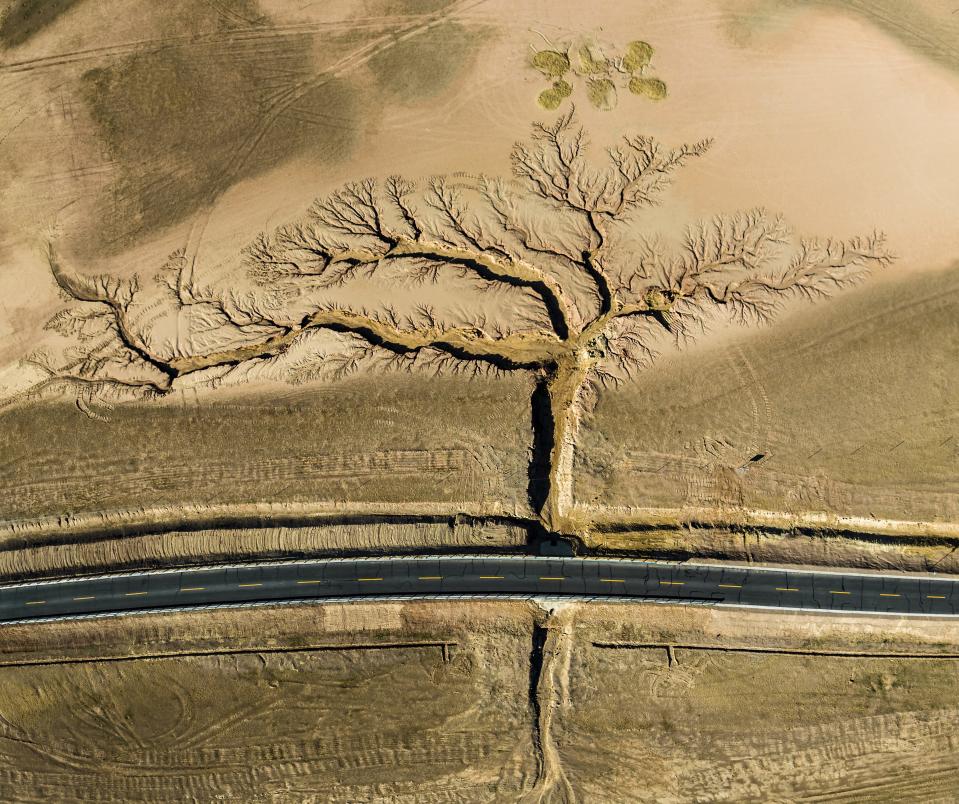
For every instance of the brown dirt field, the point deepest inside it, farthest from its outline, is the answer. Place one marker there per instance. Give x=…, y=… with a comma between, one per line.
x=754, y=727
x=130, y=131
x=430, y=701
x=669, y=723
x=298, y=716
x=851, y=406
x=361, y=441
x=784, y=547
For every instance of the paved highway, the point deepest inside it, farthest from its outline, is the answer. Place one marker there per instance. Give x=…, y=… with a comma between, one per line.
x=481, y=575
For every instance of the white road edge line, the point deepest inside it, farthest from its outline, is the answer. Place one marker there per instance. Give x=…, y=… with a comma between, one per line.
x=763, y=569
x=512, y=596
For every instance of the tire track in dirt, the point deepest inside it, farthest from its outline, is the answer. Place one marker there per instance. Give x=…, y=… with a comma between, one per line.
x=291, y=95
x=760, y=406
x=265, y=34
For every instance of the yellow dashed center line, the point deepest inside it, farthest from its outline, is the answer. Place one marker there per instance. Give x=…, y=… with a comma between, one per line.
x=936, y=597
x=839, y=592
x=86, y=597
x=369, y=579
x=672, y=583
x=612, y=580
x=888, y=594
x=134, y=594
x=193, y=588
x=249, y=584
x=491, y=577
x=431, y=577
x=551, y=578
x=309, y=581
x=35, y=602
x=730, y=586
x=786, y=589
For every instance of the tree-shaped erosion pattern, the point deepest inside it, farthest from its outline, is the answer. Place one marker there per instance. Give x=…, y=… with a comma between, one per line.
x=563, y=234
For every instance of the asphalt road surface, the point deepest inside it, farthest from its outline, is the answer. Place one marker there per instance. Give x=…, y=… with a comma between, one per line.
x=481, y=575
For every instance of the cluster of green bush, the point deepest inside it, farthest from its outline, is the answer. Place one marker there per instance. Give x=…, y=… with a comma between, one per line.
x=598, y=73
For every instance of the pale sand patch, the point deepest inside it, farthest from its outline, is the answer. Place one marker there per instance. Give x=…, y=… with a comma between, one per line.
x=351, y=617
x=801, y=121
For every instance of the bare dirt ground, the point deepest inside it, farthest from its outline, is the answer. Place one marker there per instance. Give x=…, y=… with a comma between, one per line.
x=702, y=707
x=359, y=442
x=194, y=128
x=867, y=432
x=809, y=546
x=339, y=703
x=170, y=175
x=101, y=548
x=487, y=701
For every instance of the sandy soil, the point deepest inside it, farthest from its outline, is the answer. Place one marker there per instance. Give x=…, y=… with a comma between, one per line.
x=479, y=702
x=308, y=714
x=132, y=130
x=199, y=126
x=868, y=431
x=360, y=442
x=810, y=547
x=721, y=719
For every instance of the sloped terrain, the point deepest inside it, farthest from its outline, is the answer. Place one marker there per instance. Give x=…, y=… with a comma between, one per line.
x=362, y=441
x=848, y=409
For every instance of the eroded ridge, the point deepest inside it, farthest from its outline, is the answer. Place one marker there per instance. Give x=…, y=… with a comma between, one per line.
x=562, y=240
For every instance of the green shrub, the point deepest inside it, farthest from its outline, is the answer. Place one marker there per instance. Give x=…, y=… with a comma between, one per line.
x=601, y=93
x=589, y=64
x=652, y=88
x=551, y=63
x=637, y=56
x=550, y=99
